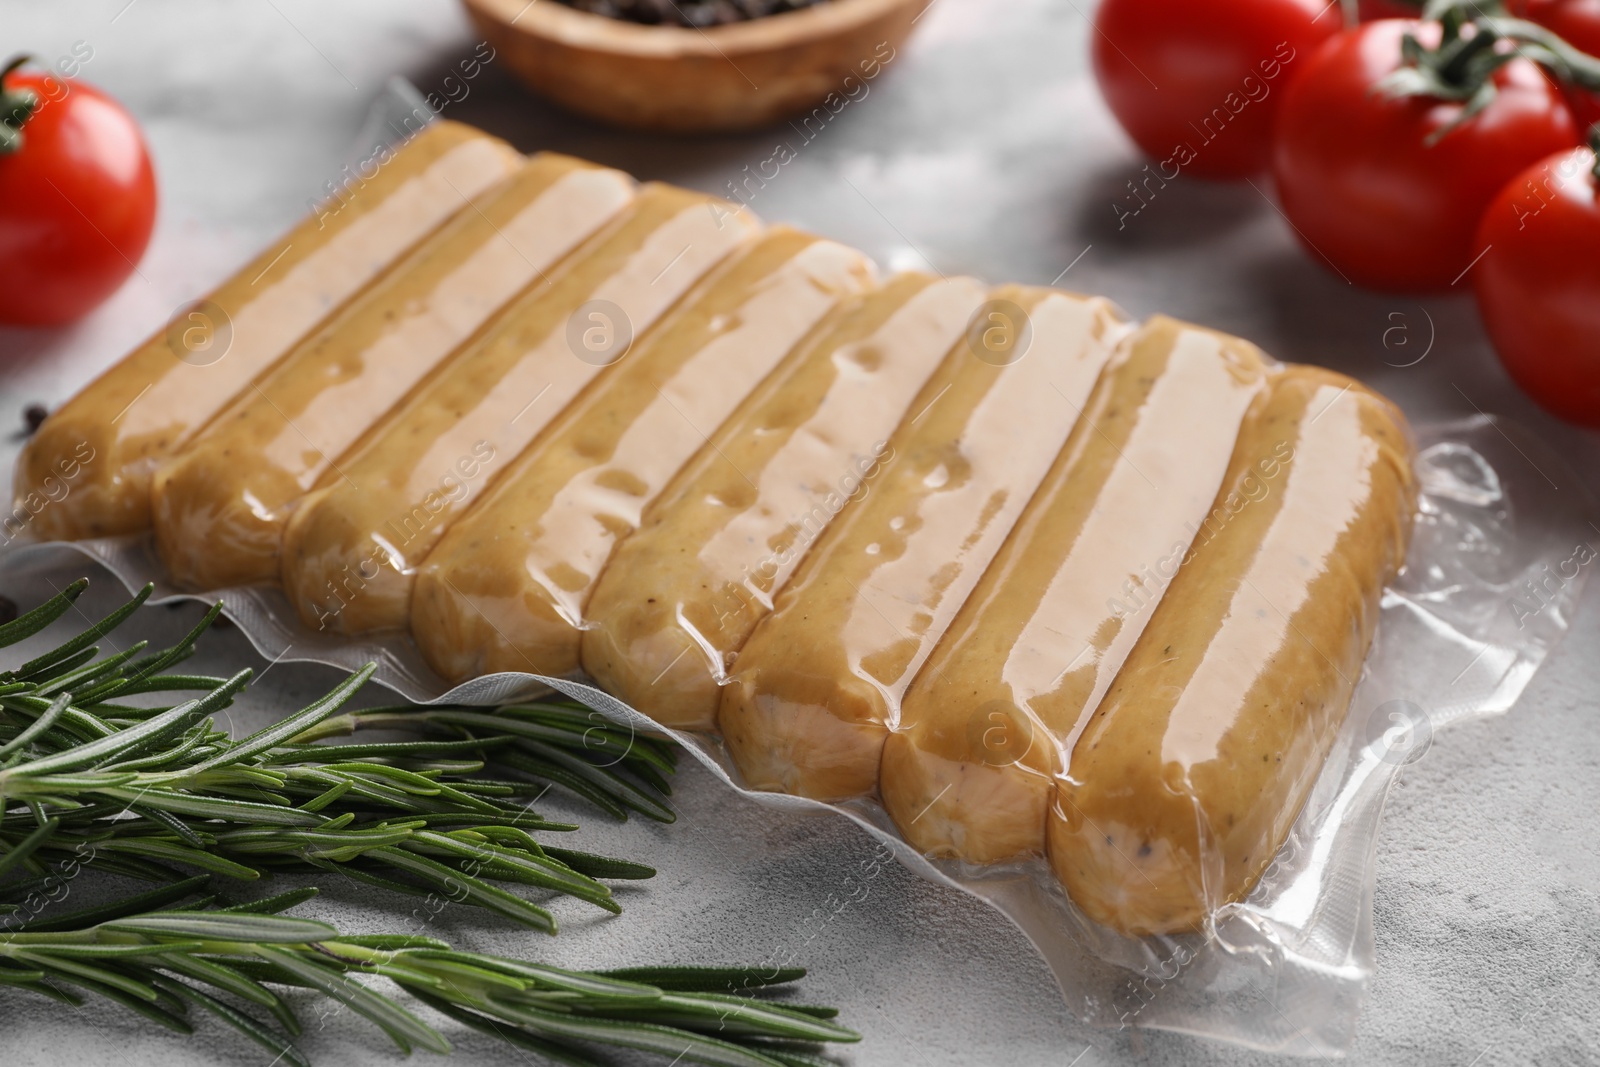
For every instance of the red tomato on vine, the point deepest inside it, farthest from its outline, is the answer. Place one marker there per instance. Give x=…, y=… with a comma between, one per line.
x=1389, y=189
x=1197, y=85
x=1538, y=285
x=77, y=197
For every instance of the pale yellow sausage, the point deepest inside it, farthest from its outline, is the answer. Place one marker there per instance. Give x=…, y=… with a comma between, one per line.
x=818, y=685
x=680, y=596
x=984, y=725
x=113, y=433
x=351, y=551
x=220, y=505
x=506, y=587
x=1192, y=770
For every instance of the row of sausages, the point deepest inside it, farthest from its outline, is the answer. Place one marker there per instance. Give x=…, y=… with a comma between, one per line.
x=1045, y=582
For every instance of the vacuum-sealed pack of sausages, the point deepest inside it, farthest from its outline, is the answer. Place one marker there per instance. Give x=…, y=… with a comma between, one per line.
x=1125, y=628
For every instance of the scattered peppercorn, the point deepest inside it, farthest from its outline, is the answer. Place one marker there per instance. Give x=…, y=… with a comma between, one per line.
x=694, y=14
x=34, y=415
x=8, y=610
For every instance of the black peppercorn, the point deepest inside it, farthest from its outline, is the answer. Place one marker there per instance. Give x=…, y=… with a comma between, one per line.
x=694, y=14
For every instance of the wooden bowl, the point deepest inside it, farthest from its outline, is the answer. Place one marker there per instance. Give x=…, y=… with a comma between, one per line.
x=667, y=78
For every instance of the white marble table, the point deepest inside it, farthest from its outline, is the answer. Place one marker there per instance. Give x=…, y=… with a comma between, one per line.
x=984, y=149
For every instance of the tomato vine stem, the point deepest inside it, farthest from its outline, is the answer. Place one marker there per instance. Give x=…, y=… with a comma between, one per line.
x=1476, y=39
x=16, y=106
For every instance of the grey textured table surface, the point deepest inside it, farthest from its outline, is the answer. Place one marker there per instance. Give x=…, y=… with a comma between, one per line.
x=983, y=149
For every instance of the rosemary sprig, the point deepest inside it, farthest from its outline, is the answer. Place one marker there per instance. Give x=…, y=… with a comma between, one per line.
x=144, y=791
x=227, y=961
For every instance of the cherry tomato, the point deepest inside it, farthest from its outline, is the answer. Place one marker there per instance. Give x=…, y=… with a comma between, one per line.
x=1578, y=23
x=1197, y=84
x=77, y=202
x=1538, y=285
x=1365, y=190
